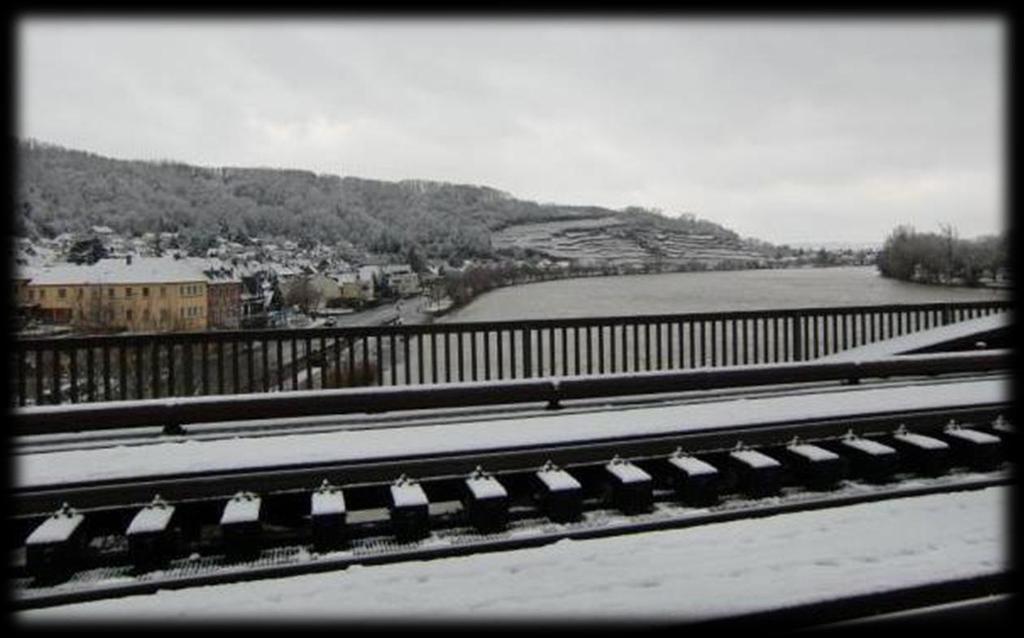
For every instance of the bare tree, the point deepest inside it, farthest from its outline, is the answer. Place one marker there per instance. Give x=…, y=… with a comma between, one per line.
x=304, y=294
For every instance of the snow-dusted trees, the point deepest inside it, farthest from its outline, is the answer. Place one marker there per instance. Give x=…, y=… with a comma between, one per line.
x=941, y=257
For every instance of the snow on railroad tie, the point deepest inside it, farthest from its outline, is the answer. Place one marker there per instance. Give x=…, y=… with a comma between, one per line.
x=52, y=549
x=632, y=489
x=817, y=467
x=755, y=473
x=924, y=454
x=486, y=502
x=409, y=508
x=978, y=450
x=868, y=459
x=150, y=540
x=560, y=494
x=695, y=481
x=241, y=527
x=328, y=517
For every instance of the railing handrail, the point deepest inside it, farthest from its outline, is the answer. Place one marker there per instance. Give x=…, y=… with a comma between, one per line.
x=179, y=411
x=357, y=332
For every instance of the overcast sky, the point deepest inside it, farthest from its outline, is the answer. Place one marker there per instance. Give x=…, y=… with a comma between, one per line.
x=788, y=131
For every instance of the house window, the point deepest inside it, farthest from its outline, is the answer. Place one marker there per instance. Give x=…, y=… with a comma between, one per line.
x=163, y=291
x=62, y=293
x=128, y=314
x=81, y=292
x=31, y=295
x=110, y=293
x=145, y=292
x=42, y=295
x=128, y=292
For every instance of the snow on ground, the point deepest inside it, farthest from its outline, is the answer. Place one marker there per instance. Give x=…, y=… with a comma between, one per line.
x=44, y=468
x=709, y=571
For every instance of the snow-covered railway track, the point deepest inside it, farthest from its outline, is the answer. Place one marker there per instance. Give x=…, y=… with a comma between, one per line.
x=266, y=522
x=333, y=423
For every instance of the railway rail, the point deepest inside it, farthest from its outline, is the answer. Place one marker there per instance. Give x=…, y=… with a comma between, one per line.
x=174, y=413
x=121, y=536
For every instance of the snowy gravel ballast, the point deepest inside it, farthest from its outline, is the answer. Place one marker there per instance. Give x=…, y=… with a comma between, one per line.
x=700, y=572
x=42, y=468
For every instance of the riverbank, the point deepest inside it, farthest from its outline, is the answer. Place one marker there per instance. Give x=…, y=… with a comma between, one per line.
x=989, y=284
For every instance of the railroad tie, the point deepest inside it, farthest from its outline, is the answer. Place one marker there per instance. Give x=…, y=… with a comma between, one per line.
x=560, y=495
x=868, y=459
x=53, y=550
x=816, y=467
x=328, y=517
x=695, y=481
x=486, y=502
x=409, y=508
x=924, y=454
x=241, y=527
x=150, y=535
x=978, y=450
x=756, y=473
x=631, y=488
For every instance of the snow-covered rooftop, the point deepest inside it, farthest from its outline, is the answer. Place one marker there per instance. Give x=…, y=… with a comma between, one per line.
x=141, y=270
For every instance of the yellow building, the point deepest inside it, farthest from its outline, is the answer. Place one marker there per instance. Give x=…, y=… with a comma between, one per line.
x=137, y=294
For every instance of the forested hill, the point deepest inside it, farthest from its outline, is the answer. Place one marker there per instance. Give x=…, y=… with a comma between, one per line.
x=62, y=190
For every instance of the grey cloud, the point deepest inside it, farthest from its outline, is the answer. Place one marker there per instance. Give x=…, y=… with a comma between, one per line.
x=785, y=130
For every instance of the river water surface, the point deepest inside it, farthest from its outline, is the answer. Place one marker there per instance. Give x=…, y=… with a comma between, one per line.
x=707, y=292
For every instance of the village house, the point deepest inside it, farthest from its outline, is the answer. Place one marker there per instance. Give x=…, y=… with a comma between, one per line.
x=224, y=295
x=137, y=294
x=401, y=280
x=369, y=277
x=350, y=287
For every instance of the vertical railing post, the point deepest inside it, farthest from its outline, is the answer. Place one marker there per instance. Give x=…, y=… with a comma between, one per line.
x=527, y=354
x=798, y=351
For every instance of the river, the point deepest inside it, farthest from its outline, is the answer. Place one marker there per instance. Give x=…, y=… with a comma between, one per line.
x=707, y=292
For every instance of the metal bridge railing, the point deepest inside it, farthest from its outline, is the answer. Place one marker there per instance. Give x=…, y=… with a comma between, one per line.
x=143, y=366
